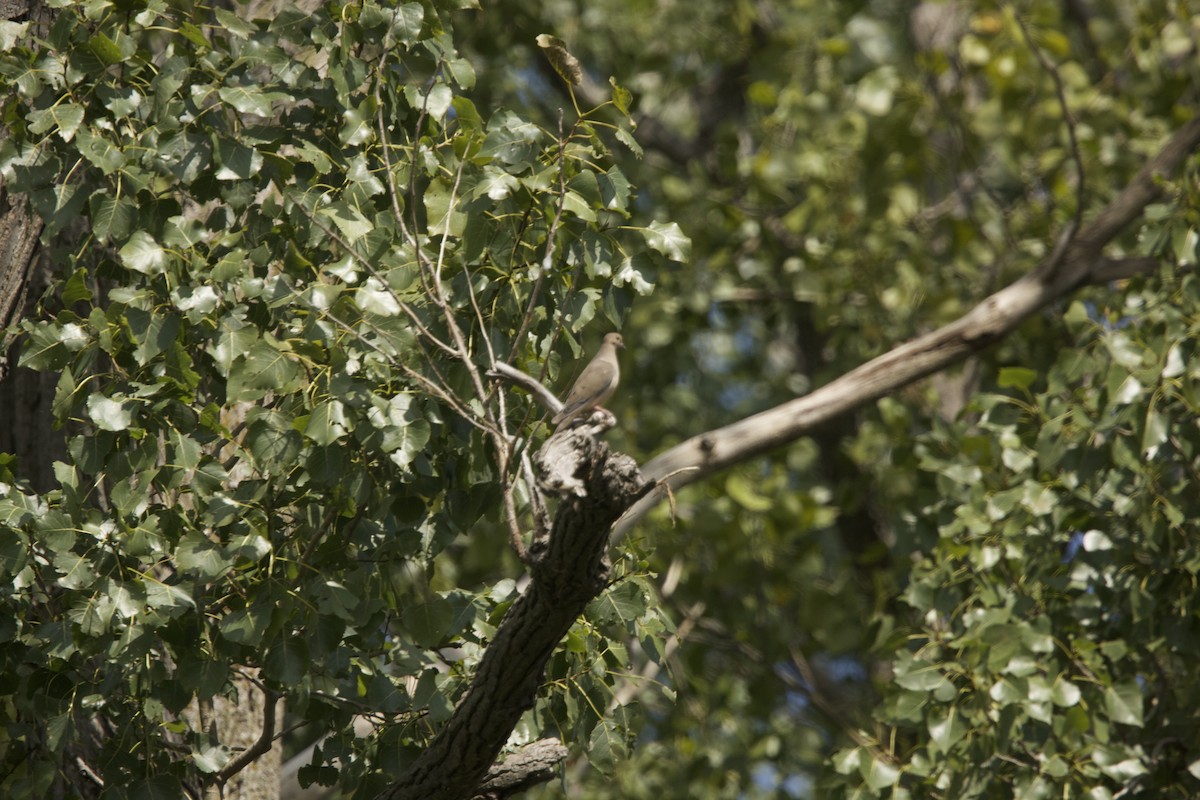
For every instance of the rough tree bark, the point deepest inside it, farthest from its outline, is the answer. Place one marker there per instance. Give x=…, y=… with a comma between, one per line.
x=25, y=396
x=19, y=231
x=570, y=568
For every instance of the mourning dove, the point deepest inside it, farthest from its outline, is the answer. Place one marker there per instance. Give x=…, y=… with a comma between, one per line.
x=595, y=384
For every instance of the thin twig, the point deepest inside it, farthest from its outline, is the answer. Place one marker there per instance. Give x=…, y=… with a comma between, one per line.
x=501, y=442
x=632, y=687
x=514, y=524
x=431, y=281
x=263, y=745
x=662, y=485
x=526, y=382
x=374, y=273
x=811, y=687
x=441, y=393
x=439, y=297
x=541, y=514
x=551, y=244
x=1068, y=119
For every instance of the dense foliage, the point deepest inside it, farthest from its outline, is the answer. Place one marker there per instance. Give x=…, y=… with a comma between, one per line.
x=279, y=239
x=289, y=248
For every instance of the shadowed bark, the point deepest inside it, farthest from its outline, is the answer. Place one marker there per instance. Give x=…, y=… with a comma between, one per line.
x=569, y=568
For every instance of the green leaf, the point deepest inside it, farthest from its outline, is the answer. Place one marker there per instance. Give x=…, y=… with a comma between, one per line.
x=947, y=731
x=100, y=151
x=1016, y=378
x=44, y=348
x=153, y=333
x=327, y=423
x=14, y=547
x=621, y=96
x=1156, y=432
x=429, y=622
x=272, y=441
x=353, y=225
x=234, y=24
x=496, y=183
x=168, y=598
x=405, y=430
x=112, y=217
x=264, y=368
x=11, y=33
x=64, y=117
x=105, y=49
x=336, y=599
x=575, y=204
x=1124, y=351
x=917, y=675
x=444, y=218
x=251, y=99
x=142, y=254
x=75, y=571
x=1124, y=703
x=246, y=625
x=235, y=342
x=565, y=64
x=109, y=413
x=198, y=554
x=606, y=746
x=122, y=102
x=668, y=238
x=625, y=602
x=878, y=774
x=614, y=189
x=846, y=762
x=1006, y=691
x=1065, y=694
x=373, y=298
x=287, y=662
x=58, y=730
x=632, y=272
x=194, y=35
x=211, y=759
x=186, y=155
x=1118, y=762
x=237, y=161
x=626, y=138
x=742, y=492
x=406, y=22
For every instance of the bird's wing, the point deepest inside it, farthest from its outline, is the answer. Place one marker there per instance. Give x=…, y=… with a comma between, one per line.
x=594, y=386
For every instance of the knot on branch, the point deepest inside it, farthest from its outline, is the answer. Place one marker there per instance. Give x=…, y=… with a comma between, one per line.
x=534, y=763
x=563, y=458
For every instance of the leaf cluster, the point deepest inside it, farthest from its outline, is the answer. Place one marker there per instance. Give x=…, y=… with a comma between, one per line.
x=289, y=248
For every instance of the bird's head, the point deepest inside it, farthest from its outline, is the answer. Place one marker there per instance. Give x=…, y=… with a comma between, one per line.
x=615, y=340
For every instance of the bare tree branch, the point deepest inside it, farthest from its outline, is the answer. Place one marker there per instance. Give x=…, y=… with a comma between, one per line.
x=1068, y=119
x=1080, y=262
x=262, y=745
x=528, y=383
